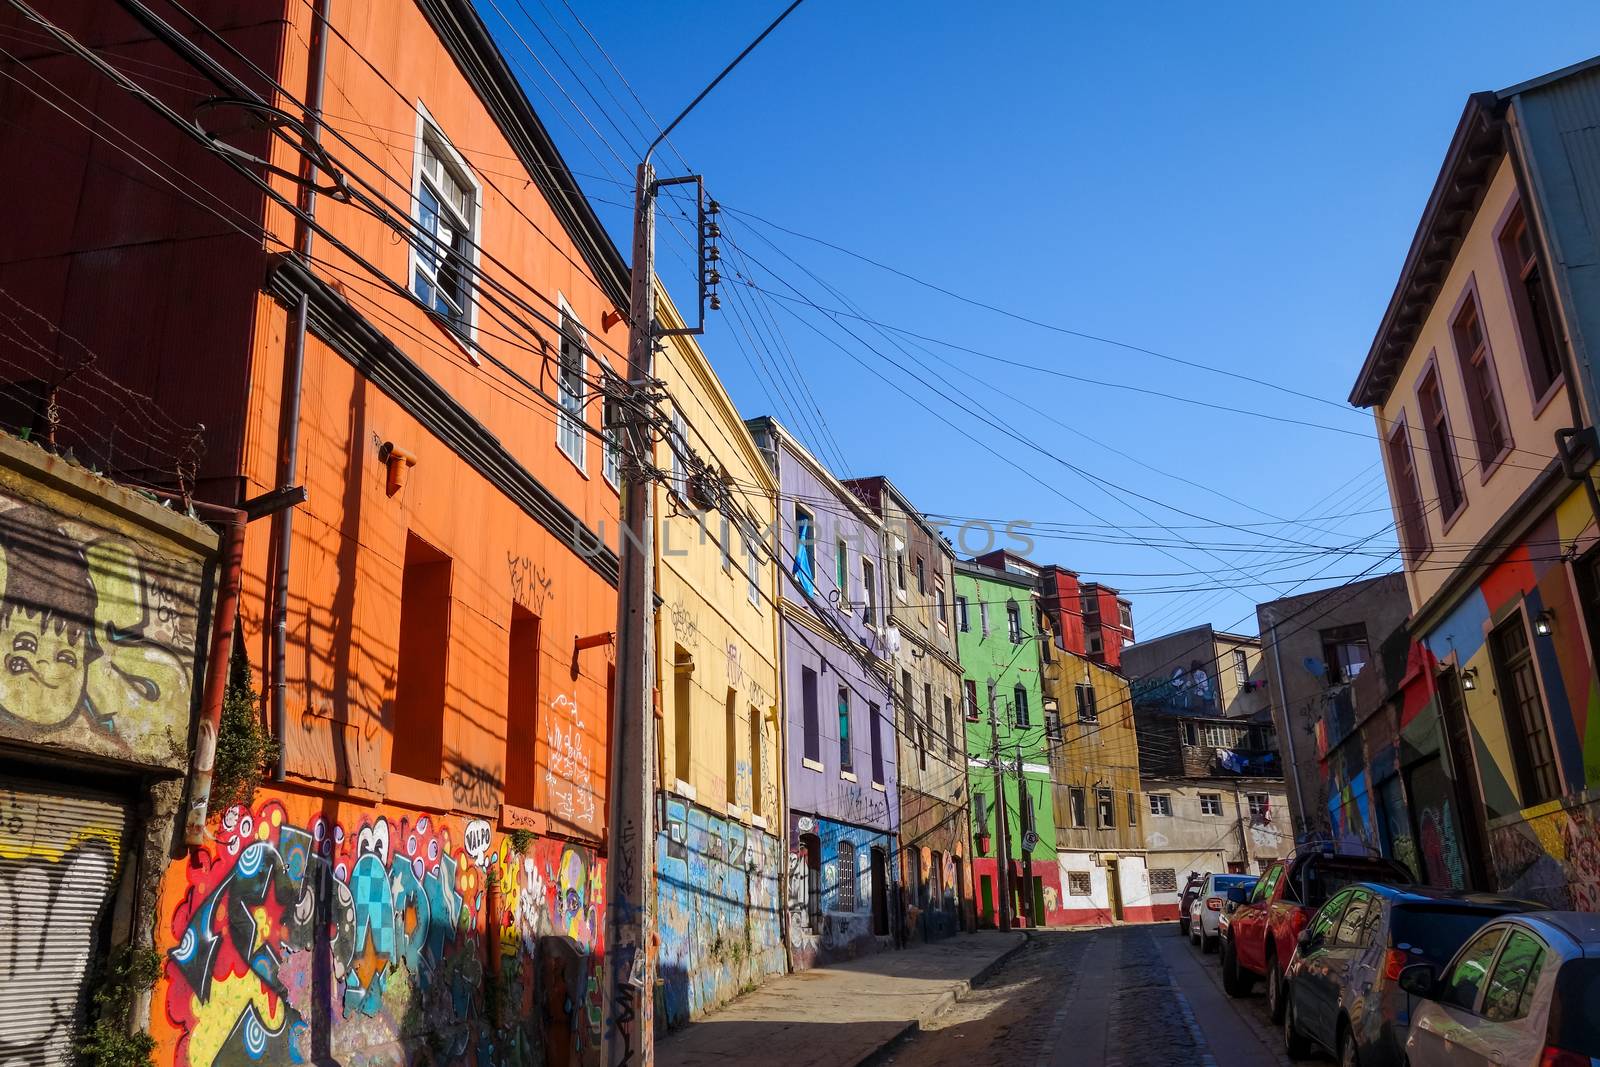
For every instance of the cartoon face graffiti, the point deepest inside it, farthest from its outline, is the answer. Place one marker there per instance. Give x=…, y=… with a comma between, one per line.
x=571, y=883
x=46, y=621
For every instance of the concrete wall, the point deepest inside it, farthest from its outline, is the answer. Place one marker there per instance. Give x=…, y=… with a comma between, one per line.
x=1192, y=671
x=1188, y=840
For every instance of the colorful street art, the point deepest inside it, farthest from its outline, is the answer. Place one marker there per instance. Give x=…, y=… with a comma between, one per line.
x=303, y=935
x=717, y=911
x=844, y=925
x=97, y=636
x=1553, y=857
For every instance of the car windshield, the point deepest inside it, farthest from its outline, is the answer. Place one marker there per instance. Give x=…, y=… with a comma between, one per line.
x=1326, y=876
x=1432, y=934
x=1575, y=1011
x=1224, y=882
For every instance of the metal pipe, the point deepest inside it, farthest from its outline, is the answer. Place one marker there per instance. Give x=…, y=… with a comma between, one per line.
x=293, y=375
x=217, y=670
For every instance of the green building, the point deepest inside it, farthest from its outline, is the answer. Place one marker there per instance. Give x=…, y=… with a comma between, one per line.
x=998, y=632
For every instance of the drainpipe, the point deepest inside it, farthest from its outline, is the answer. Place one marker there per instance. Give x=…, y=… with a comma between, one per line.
x=217, y=669
x=1288, y=727
x=293, y=374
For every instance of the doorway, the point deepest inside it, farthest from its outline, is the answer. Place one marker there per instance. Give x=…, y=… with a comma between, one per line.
x=985, y=900
x=1114, y=890
x=880, y=894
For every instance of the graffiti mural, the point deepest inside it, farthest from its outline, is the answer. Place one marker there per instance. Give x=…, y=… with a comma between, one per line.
x=97, y=637
x=569, y=773
x=366, y=939
x=1553, y=858
x=846, y=923
x=717, y=908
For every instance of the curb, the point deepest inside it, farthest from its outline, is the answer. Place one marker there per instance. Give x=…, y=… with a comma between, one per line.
x=948, y=999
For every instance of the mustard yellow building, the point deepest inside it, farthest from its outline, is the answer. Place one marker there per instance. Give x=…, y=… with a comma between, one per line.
x=720, y=758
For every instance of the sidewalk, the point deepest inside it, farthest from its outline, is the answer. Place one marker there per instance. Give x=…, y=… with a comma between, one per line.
x=840, y=1014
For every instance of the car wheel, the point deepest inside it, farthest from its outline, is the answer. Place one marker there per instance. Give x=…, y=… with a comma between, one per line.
x=1234, y=981
x=1274, y=987
x=1183, y=927
x=1208, y=944
x=1295, y=1044
x=1347, y=1048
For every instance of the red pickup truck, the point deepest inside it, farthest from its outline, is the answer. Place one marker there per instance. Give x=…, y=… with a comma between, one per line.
x=1261, y=933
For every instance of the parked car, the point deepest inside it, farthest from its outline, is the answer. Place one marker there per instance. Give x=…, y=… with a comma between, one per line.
x=1341, y=988
x=1262, y=931
x=1185, y=899
x=1206, y=910
x=1524, y=991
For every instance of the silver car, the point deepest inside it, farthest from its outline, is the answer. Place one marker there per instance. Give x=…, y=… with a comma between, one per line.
x=1524, y=990
x=1208, y=905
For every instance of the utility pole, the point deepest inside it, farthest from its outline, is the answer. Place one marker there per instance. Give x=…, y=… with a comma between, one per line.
x=1244, y=840
x=1025, y=798
x=628, y=988
x=1003, y=867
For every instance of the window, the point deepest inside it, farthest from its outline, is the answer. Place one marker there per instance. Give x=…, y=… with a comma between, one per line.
x=1019, y=705
x=573, y=393
x=1095, y=644
x=844, y=729
x=1524, y=712
x=1086, y=706
x=900, y=567
x=1163, y=880
x=1461, y=985
x=611, y=454
x=875, y=718
x=1530, y=299
x=725, y=542
x=939, y=604
x=969, y=699
x=847, y=876
x=677, y=441
x=1125, y=615
x=992, y=697
x=1210, y=803
x=1263, y=864
x=1344, y=652
x=1587, y=571
x=1483, y=385
x=755, y=760
x=927, y=710
x=1077, y=883
x=1241, y=666
x=1052, y=720
x=444, y=257
x=522, y=704
x=682, y=694
x=949, y=726
x=1408, y=493
x=1441, y=444
x=1267, y=883
x=980, y=812
x=810, y=719
x=841, y=572
x=869, y=593
x=1014, y=622
x=963, y=623
x=1160, y=804
x=983, y=618
x=922, y=578
x=1516, y=976
x=730, y=727
x=1260, y=807
x=1327, y=917
x=1077, y=803
x=1133, y=811
x=1355, y=927
x=805, y=550
x=1105, y=802
x=422, y=660
x=752, y=570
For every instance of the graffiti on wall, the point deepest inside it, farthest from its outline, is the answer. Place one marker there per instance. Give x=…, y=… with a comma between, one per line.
x=717, y=909
x=532, y=585
x=1553, y=858
x=843, y=925
x=1187, y=688
x=569, y=774
x=379, y=932
x=97, y=636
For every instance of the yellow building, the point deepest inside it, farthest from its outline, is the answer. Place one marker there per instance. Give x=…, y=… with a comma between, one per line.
x=720, y=758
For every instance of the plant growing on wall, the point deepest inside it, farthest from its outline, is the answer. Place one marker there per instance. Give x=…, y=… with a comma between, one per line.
x=244, y=746
x=109, y=1040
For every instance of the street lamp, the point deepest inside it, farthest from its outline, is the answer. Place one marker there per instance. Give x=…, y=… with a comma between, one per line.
x=1544, y=623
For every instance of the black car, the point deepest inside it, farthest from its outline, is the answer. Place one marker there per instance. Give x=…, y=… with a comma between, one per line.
x=1341, y=988
x=1185, y=898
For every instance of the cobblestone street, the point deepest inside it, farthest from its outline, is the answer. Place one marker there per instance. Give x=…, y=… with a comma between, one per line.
x=1129, y=996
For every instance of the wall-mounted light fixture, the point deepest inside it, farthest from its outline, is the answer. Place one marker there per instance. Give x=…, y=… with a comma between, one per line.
x=1544, y=623
x=1469, y=678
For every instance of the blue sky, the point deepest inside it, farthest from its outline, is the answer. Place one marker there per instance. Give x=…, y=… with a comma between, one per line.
x=1230, y=185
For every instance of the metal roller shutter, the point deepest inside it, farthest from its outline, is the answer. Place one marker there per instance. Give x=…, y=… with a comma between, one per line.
x=59, y=855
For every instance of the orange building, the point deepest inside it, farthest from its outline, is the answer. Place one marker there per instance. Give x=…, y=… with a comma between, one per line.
x=426, y=876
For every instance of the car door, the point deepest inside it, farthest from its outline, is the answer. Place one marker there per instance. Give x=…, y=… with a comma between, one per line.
x=1314, y=995
x=1442, y=1035
x=1509, y=1028
x=1249, y=924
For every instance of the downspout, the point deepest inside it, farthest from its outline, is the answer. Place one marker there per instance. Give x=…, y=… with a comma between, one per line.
x=293, y=375
x=217, y=669
x=1288, y=727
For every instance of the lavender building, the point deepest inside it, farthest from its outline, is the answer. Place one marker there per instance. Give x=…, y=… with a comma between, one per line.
x=842, y=785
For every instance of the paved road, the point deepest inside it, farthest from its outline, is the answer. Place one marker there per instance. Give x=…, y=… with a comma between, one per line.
x=1127, y=996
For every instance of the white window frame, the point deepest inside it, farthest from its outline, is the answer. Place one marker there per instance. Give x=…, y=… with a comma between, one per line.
x=429, y=129
x=567, y=421
x=1160, y=805
x=1207, y=799
x=610, y=448
x=752, y=572
x=678, y=476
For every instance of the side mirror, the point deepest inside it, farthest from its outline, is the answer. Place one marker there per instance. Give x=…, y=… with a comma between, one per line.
x=1239, y=895
x=1419, y=979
